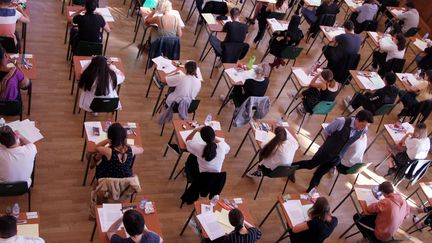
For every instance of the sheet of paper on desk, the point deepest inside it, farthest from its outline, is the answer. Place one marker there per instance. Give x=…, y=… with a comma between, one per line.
x=222, y=217
x=214, y=124
x=374, y=35
x=353, y=4
x=302, y=77
x=211, y=226
x=32, y=215
x=409, y=77
x=108, y=214
x=263, y=136
x=235, y=75
x=130, y=141
x=89, y=130
x=365, y=194
x=184, y=134
x=72, y=12
x=209, y=18
x=29, y=230
x=305, y=209
x=106, y=14
x=427, y=190
x=333, y=33
x=314, y=3
x=422, y=45
x=377, y=81
x=295, y=212
x=164, y=64
x=227, y=20
x=27, y=129
x=84, y=64
x=397, y=12
x=276, y=26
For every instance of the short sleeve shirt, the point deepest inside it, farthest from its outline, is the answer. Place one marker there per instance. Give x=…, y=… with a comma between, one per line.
x=236, y=32
x=11, y=90
x=8, y=19
x=235, y=237
x=16, y=164
x=148, y=237
x=89, y=26
x=215, y=165
x=186, y=86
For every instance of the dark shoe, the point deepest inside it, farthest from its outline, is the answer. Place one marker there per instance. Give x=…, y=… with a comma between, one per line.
x=391, y=171
x=174, y=147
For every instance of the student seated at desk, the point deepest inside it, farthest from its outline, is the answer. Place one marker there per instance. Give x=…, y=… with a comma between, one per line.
x=365, y=12
x=241, y=233
x=168, y=25
x=99, y=80
x=10, y=13
x=184, y=86
x=280, y=150
x=279, y=7
x=383, y=218
x=319, y=227
x=17, y=156
x=12, y=79
x=417, y=146
x=322, y=88
x=373, y=101
x=409, y=18
x=117, y=158
x=424, y=60
x=211, y=155
x=8, y=232
x=134, y=225
x=416, y=94
x=388, y=50
x=326, y=7
x=251, y=87
x=89, y=25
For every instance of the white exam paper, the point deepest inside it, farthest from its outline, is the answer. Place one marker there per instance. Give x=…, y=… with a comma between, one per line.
x=365, y=194
x=302, y=77
x=108, y=214
x=294, y=210
x=211, y=226
x=164, y=64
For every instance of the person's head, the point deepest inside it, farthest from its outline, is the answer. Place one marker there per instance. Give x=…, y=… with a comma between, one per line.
x=326, y=2
x=236, y=219
x=410, y=5
x=349, y=26
x=117, y=134
x=327, y=75
x=164, y=6
x=390, y=78
x=262, y=70
x=133, y=222
x=362, y=119
x=91, y=5
x=4, y=60
x=294, y=23
x=386, y=188
x=279, y=3
x=420, y=131
x=235, y=13
x=191, y=68
x=98, y=71
x=7, y=136
x=400, y=41
x=272, y=145
x=208, y=136
x=320, y=209
x=8, y=226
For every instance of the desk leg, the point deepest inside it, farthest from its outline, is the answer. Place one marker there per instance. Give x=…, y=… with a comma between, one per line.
x=66, y=32
x=283, y=236
x=187, y=221
x=217, y=83
x=169, y=142
x=87, y=169
x=409, y=65
x=106, y=43
x=84, y=148
x=268, y=214
x=226, y=99
x=151, y=81
x=346, y=231
x=242, y=142
x=175, y=165
x=76, y=99
x=63, y=4
x=294, y=98
x=24, y=37
x=343, y=200
x=205, y=47
x=29, y=93
x=199, y=32
x=367, y=60
x=283, y=86
x=157, y=101
x=315, y=138
x=250, y=163
x=373, y=141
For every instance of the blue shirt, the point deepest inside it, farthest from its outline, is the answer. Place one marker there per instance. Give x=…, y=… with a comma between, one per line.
x=148, y=237
x=338, y=124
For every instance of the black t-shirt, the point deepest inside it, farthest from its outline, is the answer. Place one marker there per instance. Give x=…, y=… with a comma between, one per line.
x=318, y=231
x=89, y=26
x=235, y=32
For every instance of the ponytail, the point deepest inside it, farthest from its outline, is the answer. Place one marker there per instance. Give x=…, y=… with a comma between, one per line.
x=270, y=147
x=208, y=135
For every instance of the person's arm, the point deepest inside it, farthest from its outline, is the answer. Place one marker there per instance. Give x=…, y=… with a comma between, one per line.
x=101, y=149
x=315, y=84
x=374, y=208
x=151, y=19
x=24, y=17
x=24, y=82
x=23, y=140
x=300, y=227
x=78, y=12
x=114, y=227
x=106, y=27
x=192, y=134
x=179, y=31
x=137, y=150
x=334, y=126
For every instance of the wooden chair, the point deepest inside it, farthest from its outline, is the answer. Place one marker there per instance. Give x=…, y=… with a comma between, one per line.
x=281, y=171
x=102, y=105
x=322, y=108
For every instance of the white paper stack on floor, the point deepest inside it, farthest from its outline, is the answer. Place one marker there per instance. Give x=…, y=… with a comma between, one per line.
x=27, y=129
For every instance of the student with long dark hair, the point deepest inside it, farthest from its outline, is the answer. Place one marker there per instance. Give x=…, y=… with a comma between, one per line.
x=241, y=233
x=185, y=86
x=319, y=227
x=280, y=150
x=118, y=156
x=99, y=80
x=12, y=79
x=210, y=152
x=279, y=7
x=389, y=50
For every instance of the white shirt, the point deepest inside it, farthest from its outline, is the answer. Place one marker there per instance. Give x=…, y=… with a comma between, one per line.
x=417, y=148
x=366, y=12
x=87, y=97
x=391, y=49
x=355, y=152
x=410, y=18
x=16, y=164
x=283, y=155
x=215, y=165
x=22, y=239
x=186, y=86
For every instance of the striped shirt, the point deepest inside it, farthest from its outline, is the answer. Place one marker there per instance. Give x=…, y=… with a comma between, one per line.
x=8, y=19
x=235, y=237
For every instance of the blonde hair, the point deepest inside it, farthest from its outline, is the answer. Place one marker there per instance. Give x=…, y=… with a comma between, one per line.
x=164, y=6
x=420, y=131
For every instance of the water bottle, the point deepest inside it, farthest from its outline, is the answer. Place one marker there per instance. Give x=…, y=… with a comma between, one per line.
x=426, y=36
x=16, y=210
x=208, y=119
x=143, y=203
x=2, y=122
x=251, y=62
x=377, y=194
x=336, y=24
x=107, y=124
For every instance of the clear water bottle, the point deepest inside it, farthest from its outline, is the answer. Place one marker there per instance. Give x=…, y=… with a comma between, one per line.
x=107, y=124
x=143, y=203
x=16, y=210
x=426, y=36
x=208, y=119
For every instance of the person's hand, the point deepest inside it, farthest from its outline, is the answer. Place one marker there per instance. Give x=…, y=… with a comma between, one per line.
x=18, y=134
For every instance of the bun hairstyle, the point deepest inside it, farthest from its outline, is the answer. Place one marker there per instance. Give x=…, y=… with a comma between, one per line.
x=208, y=135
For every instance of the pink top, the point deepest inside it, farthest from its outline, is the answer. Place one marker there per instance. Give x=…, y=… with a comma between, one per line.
x=391, y=212
x=8, y=19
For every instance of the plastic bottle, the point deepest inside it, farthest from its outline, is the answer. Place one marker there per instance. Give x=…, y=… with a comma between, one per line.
x=16, y=210
x=143, y=203
x=208, y=119
x=251, y=62
x=336, y=24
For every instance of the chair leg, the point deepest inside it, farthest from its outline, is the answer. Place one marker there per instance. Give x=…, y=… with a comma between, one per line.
x=85, y=117
x=217, y=83
x=93, y=232
x=286, y=183
x=213, y=67
x=163, y=126
x=259, y=187
x=29, y=200
x=301, y=123
x=382, y=118
x=232, y=120
x=334, y=183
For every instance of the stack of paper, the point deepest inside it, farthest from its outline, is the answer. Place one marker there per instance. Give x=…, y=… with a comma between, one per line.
x=29, y=230
x=84, y=64
x=222, y=217
x=106, y=14
x=276, y=25
x=89, y=132
x=302, y=77
x=294, y=209
x=210, y=223
x=398, y=134
x=427, y=190
x=371, y=83
x=240, y=75
x=108, y=214
x=408, y=77
x=353, y=3
x=335, y=32
x=263, y=136
x=422, y=45
x=365, y=194
x=209, y=18
x=313, y=3
x=164, y=64
x=27, y=129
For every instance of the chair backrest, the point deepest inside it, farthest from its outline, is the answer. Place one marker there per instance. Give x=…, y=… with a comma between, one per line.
x=393, y=65
x=282, y=171
x=419, y=170
x=213, y=7
x=8, y=44
x=78, y=2
x=86, y=48
x=232, y=51
x=368, y=25
x=355, y=168
x=10, y=107
x=341, y=69
x=384, y=109
x=323, y=107
x=327, y=19
x=104, y=104
x=13, y=188
x=291, y=52
x=276, y=15
x=412, y=32
x=192, y=107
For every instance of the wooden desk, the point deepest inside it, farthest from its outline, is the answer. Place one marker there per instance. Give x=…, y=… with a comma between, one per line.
x=301, y=81
x=213, y=27
x=331, y=32
x=151, y=222
x=362, y=77
x=395, y=11
x=219, y=205
x=277, y=25
x=374, y=36
x=78, y=70
x=29, y=73
x=417, y=46
x=257, y=145
x=180, y=143
x=90, y=146
x=407, y=80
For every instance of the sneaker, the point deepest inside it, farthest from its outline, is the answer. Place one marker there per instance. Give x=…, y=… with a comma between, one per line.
x=218, y=63
x=332, y=171
x=300, y=109
x=391, y=171
x=254, y=174
x=222, y=98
